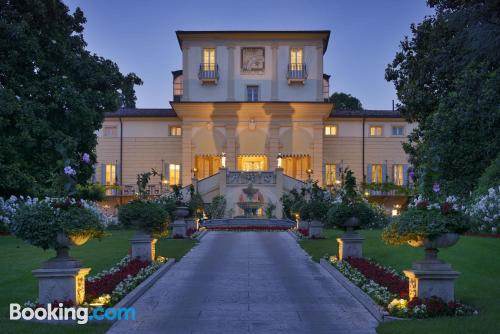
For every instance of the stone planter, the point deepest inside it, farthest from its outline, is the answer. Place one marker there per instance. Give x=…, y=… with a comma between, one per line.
x=62, y=278
x=351, y=242
x=181, y=212
x=179, y=226
x=316, y=230
x=192, y=224
x=143, y=246
x=431, y=276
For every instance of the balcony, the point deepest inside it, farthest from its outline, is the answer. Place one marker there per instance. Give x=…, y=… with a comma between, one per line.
x=297, y=73
x=208, y=73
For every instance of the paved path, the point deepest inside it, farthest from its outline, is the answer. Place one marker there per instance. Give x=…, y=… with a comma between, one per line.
x=247, y=282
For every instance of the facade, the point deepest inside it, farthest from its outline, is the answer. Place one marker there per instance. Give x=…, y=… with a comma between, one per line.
x=250, y=101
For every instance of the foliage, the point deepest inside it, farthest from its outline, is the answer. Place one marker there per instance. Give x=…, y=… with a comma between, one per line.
x=345, y=101
x=39, y=221
x=289, y=199
x=217, y=208
x=196, y=205
x=145, y=215
x=127, y=96
x=269, y=210
x=490, y=178
x=485, y=211
x=425, y=220
x=313, y=210
x=142, y=182
x=387, y=187
x=447, y=79
x=92, y=192
x=53, y=92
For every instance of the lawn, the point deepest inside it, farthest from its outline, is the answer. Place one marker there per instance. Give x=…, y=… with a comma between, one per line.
x=478, y=285
x=18, y=259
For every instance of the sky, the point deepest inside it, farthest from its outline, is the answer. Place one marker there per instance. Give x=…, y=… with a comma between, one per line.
x=139, y=35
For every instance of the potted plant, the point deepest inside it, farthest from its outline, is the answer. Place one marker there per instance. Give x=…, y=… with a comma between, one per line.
x=430, y=226
x=314, y=213
x=350, y=212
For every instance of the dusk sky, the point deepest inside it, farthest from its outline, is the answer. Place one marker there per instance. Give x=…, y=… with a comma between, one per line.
x=140, y=37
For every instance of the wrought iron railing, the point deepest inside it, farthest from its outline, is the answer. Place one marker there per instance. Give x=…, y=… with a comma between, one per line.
x=208, y=72
x=296, y=72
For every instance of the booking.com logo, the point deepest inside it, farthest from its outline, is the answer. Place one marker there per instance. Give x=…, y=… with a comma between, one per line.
x=80, y=314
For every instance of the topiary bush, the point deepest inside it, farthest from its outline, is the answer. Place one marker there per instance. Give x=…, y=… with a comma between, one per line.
x=145, y=215
x=314, y=210
x=217, y=208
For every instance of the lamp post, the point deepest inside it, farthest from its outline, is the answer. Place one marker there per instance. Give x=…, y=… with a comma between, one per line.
x=223, y=160
x=309, y=172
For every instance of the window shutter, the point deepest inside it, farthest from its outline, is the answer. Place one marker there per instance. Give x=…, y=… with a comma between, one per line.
x=384, y=173
x=118, y=174
x=93, y=173
x=180, y=175
x=325, y=176
x=166, y=171
x=369, y=173
x=103, y=174
x=405, y=174
x=393, y=173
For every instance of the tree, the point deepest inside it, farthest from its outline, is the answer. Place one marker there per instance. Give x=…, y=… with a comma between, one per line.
x=128, y=97
x=53, y=95
x=345, y=101
x=447, y=79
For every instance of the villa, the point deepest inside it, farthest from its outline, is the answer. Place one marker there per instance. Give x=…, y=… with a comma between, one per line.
x=252, y=107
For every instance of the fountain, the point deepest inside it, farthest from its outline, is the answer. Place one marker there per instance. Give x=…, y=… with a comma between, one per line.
x=250, y=207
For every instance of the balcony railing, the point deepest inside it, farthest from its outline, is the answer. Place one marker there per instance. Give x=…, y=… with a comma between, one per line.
x=297, y=73
x=208, y=73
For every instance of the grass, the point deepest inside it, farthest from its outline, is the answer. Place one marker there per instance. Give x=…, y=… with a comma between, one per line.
x=478, y=285
x=17, y=284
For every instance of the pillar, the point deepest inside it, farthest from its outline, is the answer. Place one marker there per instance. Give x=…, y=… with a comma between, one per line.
x=230, y=73
x=317, y=158
x=187, y=158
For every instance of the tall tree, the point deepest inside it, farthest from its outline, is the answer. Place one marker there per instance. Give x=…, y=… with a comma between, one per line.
x=447, y=79
x=53, y=95
x=128, y=97
x=345, y=101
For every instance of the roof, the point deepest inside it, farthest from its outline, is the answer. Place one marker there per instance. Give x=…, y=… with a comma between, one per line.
x=142, y=112
x=175, y=74
x=323, y=34
x=366, y=113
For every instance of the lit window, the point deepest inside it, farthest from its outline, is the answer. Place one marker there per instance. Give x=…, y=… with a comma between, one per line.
x=377, y=173
x=178, y=86
x=252, y=93
x=330, y=130
x=110, y=131
x=375, y=131
x=110, y=174
x=296, y=58
x=398, y=131
x=175, y=131
x=174, y=174
x=398, y=176
x=209, y=59
x=330, y=174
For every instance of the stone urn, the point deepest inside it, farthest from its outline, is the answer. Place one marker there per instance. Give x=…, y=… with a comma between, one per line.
x=143, y=246
x=431, y=276
x=316, y=230
x=179, y=226
x=351, y=242
x=61, y=277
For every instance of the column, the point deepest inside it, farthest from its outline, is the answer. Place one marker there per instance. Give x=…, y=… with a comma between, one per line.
x=231, y=147
x=279, y=192
x=274, y=142
x=185, y=73
x=230, y=73
x=319, y=61
x=187, y=159
x=317, y=158
x=274, y=67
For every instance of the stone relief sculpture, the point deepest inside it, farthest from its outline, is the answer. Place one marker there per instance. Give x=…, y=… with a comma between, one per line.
x=252, y=60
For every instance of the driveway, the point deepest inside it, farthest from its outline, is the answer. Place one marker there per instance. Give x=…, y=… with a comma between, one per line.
x=247, y=282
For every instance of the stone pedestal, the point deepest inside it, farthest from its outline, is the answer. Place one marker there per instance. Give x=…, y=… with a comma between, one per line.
x=431, y=277
x=143, y=246
x=179, y=229
x=350, y=245
x=61, y=284
x=303, y=225
x=316, y=229
x=192, y=224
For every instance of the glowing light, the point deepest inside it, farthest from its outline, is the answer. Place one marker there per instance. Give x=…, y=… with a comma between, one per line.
x=223, y=160
x=280, y=160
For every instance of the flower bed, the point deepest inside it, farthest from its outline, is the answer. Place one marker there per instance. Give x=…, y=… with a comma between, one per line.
x=303, y=231
x=110, y=286
x=389, y=288
x=248, y=228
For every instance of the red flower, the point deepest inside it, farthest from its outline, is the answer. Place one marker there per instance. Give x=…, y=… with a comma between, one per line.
x=423, y=204
x=446, y=208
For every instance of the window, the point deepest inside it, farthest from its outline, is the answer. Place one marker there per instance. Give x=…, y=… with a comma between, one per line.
x=398, y=130
x=375, y=131
x=110, y=131
x=178, y=86
x=110, y=174
x=175, y=131
x=330, y=130
x=398, y=174
x=377, y=173
x=326, y=89
x=330, y=174
x=209, y=59
x=252, y=93
x=174, y=174
x=296, y=58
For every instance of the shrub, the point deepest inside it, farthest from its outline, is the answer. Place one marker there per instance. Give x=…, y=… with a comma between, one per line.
x=490, y=178
x=269, y=210
x=314, y=210
x=92, y=192
x=196, y=206
x=217, y=208
x=145, y=215
x=339, y=213
x=485, y=211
